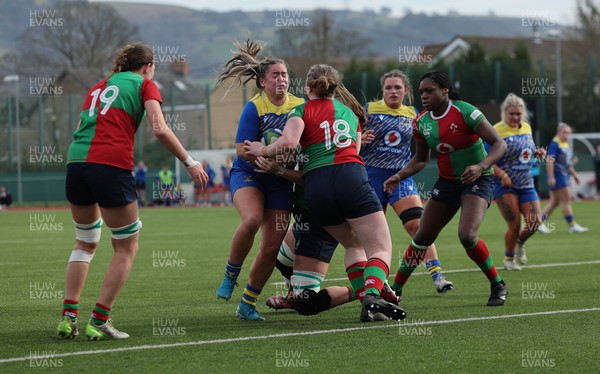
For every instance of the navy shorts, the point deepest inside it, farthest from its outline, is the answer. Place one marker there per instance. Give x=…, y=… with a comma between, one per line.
x=337, y=192
x=108, y=186
x=450, y=191
x=277, y=191
x=378, y=176
x=562, y=181
x=311, y=238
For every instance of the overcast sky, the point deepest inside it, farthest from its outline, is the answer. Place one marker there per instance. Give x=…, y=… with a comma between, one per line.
x=560, y=11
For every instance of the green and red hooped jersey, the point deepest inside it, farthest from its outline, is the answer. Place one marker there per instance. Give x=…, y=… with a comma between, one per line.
x=329, y=136
x=111, y=114
x=452, y=136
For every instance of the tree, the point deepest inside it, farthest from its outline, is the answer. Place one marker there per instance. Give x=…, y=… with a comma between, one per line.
x=80, y=42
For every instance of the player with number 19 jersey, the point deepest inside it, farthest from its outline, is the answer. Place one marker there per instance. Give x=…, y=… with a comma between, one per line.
x=332, y=141
x=111, y=114
x=453, y=137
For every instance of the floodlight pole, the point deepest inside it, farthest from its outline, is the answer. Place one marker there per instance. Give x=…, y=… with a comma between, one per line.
x=15, y=78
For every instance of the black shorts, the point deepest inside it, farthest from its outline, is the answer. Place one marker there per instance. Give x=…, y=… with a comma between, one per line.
x=109, y=186
x=338, y=192
x=449, y=191
x=311, y=238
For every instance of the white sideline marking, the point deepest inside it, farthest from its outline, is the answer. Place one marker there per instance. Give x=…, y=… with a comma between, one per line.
x=559, y=264
x=285, y=335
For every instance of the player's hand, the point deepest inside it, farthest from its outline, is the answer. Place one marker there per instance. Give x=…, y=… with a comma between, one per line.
x=266, y=165
x=551, y=182
x=471, y=174
x=198, y=175
x=540, y=152
x=253, y=148
x=367, y=137
x=392, y=182
x=506, y=181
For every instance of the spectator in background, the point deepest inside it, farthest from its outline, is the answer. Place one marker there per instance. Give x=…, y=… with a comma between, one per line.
x=210, y=186
x=226, y=172
x=165, y=176
x=5, y=198
x=140, y=182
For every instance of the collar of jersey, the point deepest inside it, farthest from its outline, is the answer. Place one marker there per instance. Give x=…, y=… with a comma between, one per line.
x=443, y=115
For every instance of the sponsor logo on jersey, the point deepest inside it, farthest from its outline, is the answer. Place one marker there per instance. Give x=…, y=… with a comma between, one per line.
x=453, y=127
x=525, y=156
x=435, y=192
x=425, y=128
x=475, y=188
x=381, y=117
x=444, y=148
x=392, y=138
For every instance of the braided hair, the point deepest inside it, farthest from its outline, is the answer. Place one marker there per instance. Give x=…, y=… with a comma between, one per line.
x=442, y=79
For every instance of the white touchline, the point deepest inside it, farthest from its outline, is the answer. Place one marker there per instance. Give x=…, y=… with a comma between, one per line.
x=559, y=264
x=292, y=334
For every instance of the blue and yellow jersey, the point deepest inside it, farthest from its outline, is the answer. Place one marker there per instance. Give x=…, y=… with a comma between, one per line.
x=262, y=121
x=518, y=160
x=393, y=133
x=561, y=152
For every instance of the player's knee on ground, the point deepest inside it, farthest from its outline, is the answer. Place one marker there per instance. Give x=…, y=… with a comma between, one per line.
x=309, y=302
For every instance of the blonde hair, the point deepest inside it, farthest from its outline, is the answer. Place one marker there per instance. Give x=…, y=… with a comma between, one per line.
x=516, y=101
x=399, y=74
x=132, y=57
x=562, y=126
x=246, y=64
x=325, y=82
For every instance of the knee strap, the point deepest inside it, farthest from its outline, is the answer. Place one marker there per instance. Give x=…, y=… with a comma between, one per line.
x=88, y=232
x=125, y=232
x=410, y=214
x=79, y=255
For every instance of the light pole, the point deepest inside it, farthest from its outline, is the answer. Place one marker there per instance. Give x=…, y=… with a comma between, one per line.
x=15, y=78
x=559, y=91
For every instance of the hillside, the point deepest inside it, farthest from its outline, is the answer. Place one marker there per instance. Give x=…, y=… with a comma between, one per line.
x=204, y=37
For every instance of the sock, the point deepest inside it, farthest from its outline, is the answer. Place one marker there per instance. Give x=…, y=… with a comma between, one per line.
x=434, y=268
x=250, y=295
x=570, y=220
x=357, y=281
x=544, y=217
x=413, y=256
x=479, y=254
x=100, y=314
x=306, y=280
x=232, y=270
x=508, y=256
x=351, y=293
x=521, y=240
x=71, y=309
x=376, y=272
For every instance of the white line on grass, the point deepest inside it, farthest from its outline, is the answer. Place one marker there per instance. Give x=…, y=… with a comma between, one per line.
x=560, y=264
x=293, y=334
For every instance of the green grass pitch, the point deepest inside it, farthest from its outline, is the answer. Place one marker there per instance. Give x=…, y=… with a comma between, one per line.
x=168, y=306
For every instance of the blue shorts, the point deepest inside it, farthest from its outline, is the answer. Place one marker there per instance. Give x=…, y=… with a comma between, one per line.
x=525, y=195
x=108, y=186
x=378, y=176
x=277, y=191
x=312, y=240
x=562, y=181
x=337, y=192
x=450, y=191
